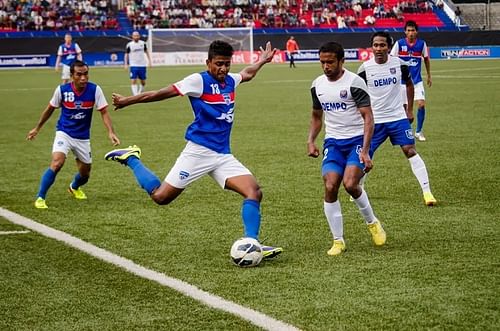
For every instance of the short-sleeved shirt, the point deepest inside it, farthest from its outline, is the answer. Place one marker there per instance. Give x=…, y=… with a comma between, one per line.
x=137, y=54
x=413, y=55
x=68, y=53
x=340, y=101
x=76, y=108
x=384, y=86
x=213, y=107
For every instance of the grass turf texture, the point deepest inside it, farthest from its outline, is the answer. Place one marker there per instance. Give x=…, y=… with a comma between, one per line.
x=438, y=270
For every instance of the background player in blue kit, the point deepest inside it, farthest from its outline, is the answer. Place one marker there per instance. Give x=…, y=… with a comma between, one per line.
x=207, y=151
x=77, y=101
x=383, y=75
x=413, y=50
x=341, y=97
x=137, y=56
x=67, y=52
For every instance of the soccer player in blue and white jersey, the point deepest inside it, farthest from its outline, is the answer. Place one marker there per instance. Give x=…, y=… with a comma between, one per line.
x=207, y=152
x=138, y=57
x=413, y=50
x=384, y=75
x=341, y=97
x=77, y=101
x=67, y=52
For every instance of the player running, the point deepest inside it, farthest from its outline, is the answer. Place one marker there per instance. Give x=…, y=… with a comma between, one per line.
x=384, y=74
x=343, y=98
x=207, y=152
x=413, y=50
x=77, y=101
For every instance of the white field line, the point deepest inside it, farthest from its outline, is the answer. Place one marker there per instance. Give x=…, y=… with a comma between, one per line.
x=14, y=232
x=211, y=300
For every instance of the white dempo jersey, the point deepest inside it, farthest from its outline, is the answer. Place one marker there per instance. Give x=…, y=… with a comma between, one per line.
x=384, y=86
x=340, y=101
x=137, y=54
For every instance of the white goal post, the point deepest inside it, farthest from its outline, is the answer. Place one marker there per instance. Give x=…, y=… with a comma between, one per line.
x=190, y=46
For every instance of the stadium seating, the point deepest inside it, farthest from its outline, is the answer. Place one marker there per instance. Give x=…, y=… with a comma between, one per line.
x=95, y=15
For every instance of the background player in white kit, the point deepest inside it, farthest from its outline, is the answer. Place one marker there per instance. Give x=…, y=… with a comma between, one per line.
x=207, y=151
x=137, y=57
x=383, y=75
x=343, y=98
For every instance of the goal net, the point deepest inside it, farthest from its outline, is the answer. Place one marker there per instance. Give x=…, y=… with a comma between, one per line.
x=190, y=46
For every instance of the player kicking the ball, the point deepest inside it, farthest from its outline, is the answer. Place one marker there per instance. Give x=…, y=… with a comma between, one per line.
x=207, y=151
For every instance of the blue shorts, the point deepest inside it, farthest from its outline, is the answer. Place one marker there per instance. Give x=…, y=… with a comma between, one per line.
x=399, y=132
x=340, y=153
x=138, y=72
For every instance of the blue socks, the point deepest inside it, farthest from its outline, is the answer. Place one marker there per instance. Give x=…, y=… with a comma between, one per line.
x=420, y=118
x=250, y=212
x=78, y=181
x=46, y=182
x=145, y=177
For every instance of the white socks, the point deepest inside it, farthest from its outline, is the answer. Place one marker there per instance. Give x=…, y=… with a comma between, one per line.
x=333, y=215
x=136, y=89
x=420, y=171
x=365, y=208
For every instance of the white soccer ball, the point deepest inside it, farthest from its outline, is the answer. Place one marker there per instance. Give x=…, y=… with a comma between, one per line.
x=246, y=252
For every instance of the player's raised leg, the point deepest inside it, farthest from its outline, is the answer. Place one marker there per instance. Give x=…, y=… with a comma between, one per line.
x=131, y=157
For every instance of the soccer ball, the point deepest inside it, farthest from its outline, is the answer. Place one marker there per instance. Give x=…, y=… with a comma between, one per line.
x=246, y=252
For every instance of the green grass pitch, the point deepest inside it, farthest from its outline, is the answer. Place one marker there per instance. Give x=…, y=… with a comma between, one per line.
x=439, y=269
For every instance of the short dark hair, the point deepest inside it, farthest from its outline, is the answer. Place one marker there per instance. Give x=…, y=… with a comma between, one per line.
x=412, y=24
x=219, y=48
x=333, y=47
x=77, y=63
x=384, y=34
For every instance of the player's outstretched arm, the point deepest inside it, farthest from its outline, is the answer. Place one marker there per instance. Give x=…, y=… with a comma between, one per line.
x=120, y=101
x=266, y=56
x=43, y=118
x=314, y=130
x=106, y=119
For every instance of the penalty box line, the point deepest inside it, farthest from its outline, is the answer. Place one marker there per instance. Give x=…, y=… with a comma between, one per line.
x=211, y=300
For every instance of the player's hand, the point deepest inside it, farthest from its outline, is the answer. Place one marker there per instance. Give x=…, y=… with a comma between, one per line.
x=268, y=53
x=125, y=66
x=429, y=81
x=118, y=101
x=114, y=139
x=365, y=158
x=32, y=134
x=312, y=150
x=411, y=118
x=56, y=69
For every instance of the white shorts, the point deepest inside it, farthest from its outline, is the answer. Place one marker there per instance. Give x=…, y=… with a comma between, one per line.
x=66, y=74
x=80, y=147
x=418, y=94
x=195, y=161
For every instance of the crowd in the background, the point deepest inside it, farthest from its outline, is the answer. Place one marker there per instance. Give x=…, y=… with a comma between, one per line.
x=267, y=13
x=73, y=15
